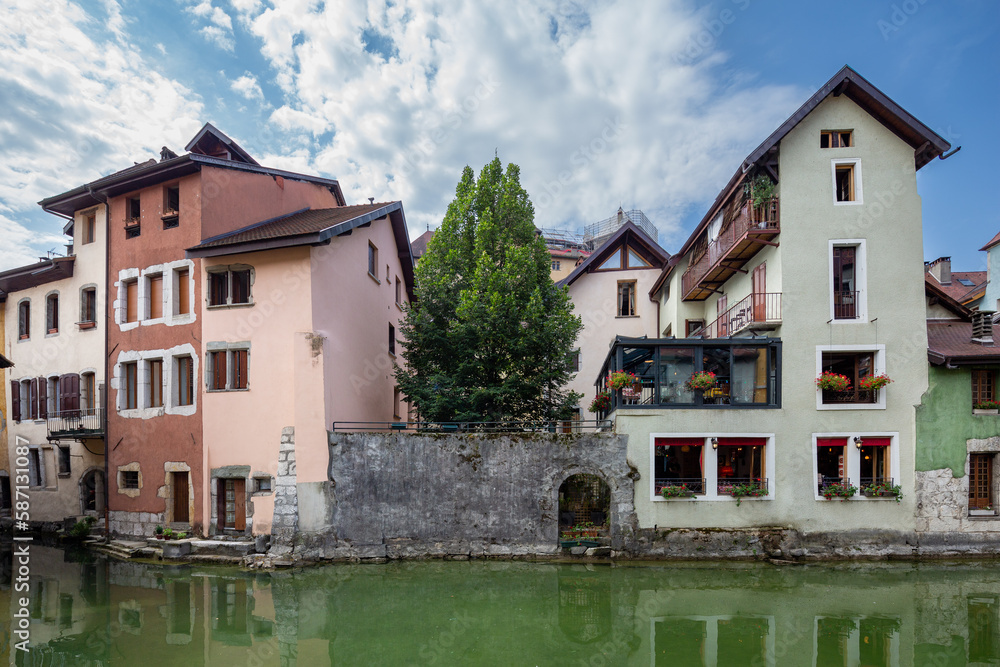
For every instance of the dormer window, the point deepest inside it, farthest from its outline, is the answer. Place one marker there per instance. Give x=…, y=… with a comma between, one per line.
x=836, y=139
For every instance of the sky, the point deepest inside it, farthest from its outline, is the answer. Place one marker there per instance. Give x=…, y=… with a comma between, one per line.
x=639, y=104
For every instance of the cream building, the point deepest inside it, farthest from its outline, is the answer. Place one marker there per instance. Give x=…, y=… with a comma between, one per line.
x=810, y=260
x=54, y=333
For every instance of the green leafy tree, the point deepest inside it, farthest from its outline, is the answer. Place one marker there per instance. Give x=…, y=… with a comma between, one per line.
x=489, y=336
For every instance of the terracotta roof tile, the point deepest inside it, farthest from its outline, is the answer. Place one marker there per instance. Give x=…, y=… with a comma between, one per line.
x=995, y=240
x=956, y=290
x=954, y=340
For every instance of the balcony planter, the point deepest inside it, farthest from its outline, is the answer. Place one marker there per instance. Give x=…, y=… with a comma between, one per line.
x=742, y=490
x=835, y=382
x=883, y=490
x=845, y=491
x=986, y=408
x=672, y=491
x=701, y=381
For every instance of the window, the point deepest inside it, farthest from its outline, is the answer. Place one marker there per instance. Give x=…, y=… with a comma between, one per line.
x=131, y=304
x=846, y=181
x=185, y=380
x=64, y=467
x=155, y=369
x=171, y=206
x=129, y=386
x=89, y=226
x=154, y=295
x=52, y=399
x=626, y=298
x=372, y=261
x=624, y=257
x=227, y=368
x=679, y=462
x=836, y=139
x=182, y=303
x=574, y=361
x=399, y=292
x=52, y=313
x=855, y=366
x=133, y=217
x=24, y=319
x=693, y=326
x=739, y=461
x=392, y=340
x=88, y=393
x=129, y=479
x=555, y=265
x=229, y=286
x=981, y=481
x=635, y=261
x=875, y=460
x=36, y=474
x=983, y=386
x=88, y=307
x=845, y=293
x=262, y=484
x=395, y=402
x=831, y=462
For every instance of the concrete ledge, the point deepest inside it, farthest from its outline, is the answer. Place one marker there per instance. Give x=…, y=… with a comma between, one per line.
x=176, y=549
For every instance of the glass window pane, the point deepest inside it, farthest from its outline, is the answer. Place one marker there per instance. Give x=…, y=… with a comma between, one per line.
x=676, y=368
x=749, y=375
x=613, y=262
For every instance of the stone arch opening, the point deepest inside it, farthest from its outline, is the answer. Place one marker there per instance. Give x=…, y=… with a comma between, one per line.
x=584, y=506
x=92, y=491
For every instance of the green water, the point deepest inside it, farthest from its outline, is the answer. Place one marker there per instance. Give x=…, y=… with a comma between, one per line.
x=87, y=610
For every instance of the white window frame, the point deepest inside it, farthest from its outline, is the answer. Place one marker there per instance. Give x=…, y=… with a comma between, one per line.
x=860, y=279
x=852, y=459
x=880, y=367
x=711, y=469
x=169, y=358
x=856, y=163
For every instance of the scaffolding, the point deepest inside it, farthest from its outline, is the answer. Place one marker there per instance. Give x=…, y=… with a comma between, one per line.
x=596, y=234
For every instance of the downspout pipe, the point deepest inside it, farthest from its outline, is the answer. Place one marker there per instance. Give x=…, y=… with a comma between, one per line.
x=107, y=371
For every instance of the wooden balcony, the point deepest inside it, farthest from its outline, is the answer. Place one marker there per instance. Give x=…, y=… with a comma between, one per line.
x=751, y=230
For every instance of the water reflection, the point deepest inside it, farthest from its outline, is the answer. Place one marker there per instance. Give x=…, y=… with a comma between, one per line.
x=86, y=610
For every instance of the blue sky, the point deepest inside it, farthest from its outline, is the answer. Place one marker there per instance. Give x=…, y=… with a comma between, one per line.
x=648, y=105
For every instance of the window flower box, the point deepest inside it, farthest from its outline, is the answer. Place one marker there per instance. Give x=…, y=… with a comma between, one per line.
x=882, y=490
x=982, y=511
x=843, y=490
x=671, y=491
x=986, y=408
x=873, y=382
x=834, y=382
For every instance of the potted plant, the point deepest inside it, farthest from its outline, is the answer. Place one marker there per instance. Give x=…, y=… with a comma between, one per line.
x=159, y=532
x=622, y=380
x=986, y=510
x=986, y=408
x=182, y=535
x=874, y=382
x=843, y=490
x=742, y=490
x=883, y=490
x=601, y=402
x=168, y=533
x=830, y=381
x=761, y=190
x=701, y=381
x=676, y=491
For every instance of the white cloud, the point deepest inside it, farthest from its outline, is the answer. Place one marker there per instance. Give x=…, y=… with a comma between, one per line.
x=599, y=103
x=248, y=87
x=220, y=30
x=75, y=107
x=22, y=246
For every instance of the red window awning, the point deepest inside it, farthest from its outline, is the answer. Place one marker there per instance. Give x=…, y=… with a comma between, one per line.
x=742, y=442
x=680, y=442
x=875, y=441
x=831, y=442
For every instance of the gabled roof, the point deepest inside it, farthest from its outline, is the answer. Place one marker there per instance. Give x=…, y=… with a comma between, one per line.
x=33, y=275
x=628, y=233
x=995, y=240
x=934, y=290
x=151, y=172
x=956, y=290
x=312, y=227
x=926, y=143
x=951, y=343
x=212, y=141
x=419, y=244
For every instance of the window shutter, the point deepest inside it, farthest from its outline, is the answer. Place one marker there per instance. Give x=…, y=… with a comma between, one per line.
x=219, y=370
x=43, y=398
x=183, y=307
x=220, y=503
x=131, y=301
x=15, y=400
x=72, y=405
x=33, y=398
x=156, y=297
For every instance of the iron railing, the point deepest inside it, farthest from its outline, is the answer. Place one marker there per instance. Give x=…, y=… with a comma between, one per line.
x=853, y=395
x=845, y=305
x=695, y=485
x=832, y=481
x=755, y=309
x=556, y=426
x=749, y=221
x=725, y=486
x=871, y=481
x=83, y=423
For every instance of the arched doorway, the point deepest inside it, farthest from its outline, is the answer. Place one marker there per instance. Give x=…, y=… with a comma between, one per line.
x=92, y=491
x=584, y=505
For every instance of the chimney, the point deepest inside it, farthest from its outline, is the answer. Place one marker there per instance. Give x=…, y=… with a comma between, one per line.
x=940, y=268
x=982, y=327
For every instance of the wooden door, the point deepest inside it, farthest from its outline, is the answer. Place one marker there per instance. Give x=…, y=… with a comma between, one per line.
x=241, y=504
x=980, y=481
x=759, y=283
x=181, y=497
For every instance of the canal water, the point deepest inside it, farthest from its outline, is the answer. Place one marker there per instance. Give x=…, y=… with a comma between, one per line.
x=89, y=610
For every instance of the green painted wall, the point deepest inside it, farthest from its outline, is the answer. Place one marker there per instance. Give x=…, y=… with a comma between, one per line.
x=945, y=421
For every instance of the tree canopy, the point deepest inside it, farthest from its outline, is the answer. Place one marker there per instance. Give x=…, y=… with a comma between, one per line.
x=489, y=335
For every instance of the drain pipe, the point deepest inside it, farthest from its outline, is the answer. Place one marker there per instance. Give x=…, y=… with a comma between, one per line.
x=107, y=374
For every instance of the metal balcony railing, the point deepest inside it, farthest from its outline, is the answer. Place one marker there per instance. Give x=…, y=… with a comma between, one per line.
x=695, y=485
x=845, y=305
x=755, y=311
x=83, y=423
x=725, y=486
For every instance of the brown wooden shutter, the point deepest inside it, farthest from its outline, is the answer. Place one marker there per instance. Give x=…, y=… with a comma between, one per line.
x=131, y=301
x=241, y=504
x=183, y=302
x=43, y=399
x=72, y=406
x=156, y=297
x=219, y=370
x=220, y=504
x=15, y=400
x=33, y=398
